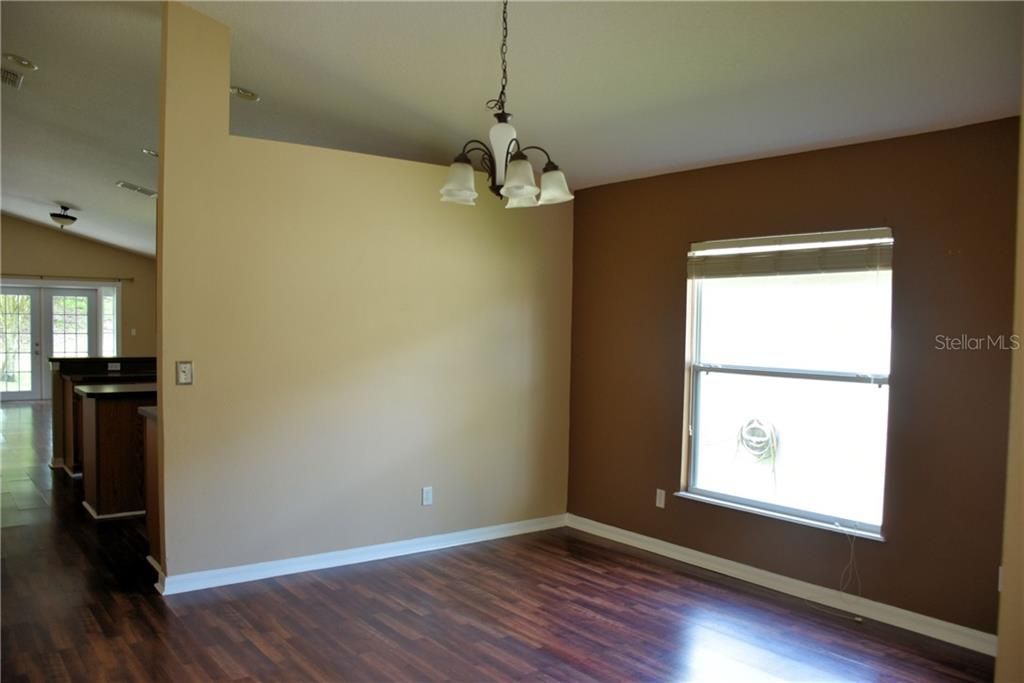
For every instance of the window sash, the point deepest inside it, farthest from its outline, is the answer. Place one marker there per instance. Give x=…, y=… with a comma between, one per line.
x=791, y=514
x=793, y=373
x=797, y=515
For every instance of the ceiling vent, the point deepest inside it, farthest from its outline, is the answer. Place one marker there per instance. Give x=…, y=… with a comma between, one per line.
x=144, y=191
x=13, y=78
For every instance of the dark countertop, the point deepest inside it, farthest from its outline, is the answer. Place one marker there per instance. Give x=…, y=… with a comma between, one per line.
x=109, y=359
x=149, y=412
x=114, y=390
x=112, y=377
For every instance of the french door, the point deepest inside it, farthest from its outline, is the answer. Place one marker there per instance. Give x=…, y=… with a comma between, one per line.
x=21, y=360
x=40, y=323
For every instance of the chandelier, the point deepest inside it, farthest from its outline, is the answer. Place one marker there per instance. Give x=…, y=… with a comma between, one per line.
x=508, y=169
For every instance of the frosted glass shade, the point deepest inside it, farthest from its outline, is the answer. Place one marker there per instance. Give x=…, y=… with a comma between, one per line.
x=519, y=180
x=521, y=202
x=463, y=198
x=502, y=135
x=460, y=187
x=553, y=188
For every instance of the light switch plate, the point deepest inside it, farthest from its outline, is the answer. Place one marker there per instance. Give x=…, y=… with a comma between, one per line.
x=183, y=372
x=659, y=497
x=427, y=496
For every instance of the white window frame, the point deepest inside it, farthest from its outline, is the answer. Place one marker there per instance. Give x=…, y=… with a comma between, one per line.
x=118, y=305
x=691, y=408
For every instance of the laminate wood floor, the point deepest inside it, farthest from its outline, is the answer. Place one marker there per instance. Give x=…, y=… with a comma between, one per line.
x=78, y=604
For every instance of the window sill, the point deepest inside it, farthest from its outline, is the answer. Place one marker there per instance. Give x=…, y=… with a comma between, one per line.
x=834, y=528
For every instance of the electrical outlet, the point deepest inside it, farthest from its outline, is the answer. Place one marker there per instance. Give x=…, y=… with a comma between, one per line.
x=427, y=496
x=132, y=332
x=183, y=372
x=659, y=497
x=113, y=367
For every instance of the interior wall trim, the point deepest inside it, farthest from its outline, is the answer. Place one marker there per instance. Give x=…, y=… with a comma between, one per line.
x=160, y=577
x=193, y=581
x=117, y=515
x=963, y=636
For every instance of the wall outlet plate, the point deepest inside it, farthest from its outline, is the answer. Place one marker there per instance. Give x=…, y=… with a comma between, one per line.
x=427, y=496
x=659, y=497
x=183, y=372
x=113, y=367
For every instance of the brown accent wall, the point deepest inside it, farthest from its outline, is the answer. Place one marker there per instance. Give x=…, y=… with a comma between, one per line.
x=1010, y=656
x=950, y=198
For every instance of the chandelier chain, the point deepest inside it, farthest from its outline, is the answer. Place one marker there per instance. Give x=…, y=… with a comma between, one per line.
x=498, y=103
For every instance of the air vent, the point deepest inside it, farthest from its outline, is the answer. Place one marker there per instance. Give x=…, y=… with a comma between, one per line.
x=144, y=191
x=13, y=78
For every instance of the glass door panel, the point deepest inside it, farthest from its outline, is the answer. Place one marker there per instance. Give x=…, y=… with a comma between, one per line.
x=20, y=354
x=73, y=328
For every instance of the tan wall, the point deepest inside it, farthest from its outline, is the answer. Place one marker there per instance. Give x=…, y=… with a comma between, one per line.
x=950, y=198
x=1010, y=659
x=31, y=249
x=353, y=338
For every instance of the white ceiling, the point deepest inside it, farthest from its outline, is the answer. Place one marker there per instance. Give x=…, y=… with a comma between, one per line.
x=614, y=90
x=77, y=124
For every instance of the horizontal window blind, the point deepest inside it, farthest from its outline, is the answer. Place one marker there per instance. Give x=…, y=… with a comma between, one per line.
x=840, y=251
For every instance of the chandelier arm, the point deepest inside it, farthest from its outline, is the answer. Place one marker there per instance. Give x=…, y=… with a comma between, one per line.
x=480, y=144
x=486, y=157
x=509, y=153
x=539, y=149
x=486, y=160
x=485, y=154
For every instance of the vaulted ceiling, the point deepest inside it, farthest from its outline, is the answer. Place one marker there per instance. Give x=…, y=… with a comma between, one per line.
x=616, y=90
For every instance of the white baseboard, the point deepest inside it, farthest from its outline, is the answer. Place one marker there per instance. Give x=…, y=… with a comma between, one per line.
x=116, y=515
x=918, y=623
x=192, y=581
x=869, y=609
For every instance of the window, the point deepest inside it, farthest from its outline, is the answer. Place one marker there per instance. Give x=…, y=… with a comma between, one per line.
x=108, y=321
x=788, y=384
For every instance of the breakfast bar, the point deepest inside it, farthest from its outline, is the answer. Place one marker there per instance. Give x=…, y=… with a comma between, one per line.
x=113, y=446
x=66, y=374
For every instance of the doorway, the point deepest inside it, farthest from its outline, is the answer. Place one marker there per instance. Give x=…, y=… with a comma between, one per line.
x=39, y=323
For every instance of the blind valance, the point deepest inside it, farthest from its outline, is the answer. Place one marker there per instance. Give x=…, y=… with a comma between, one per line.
x=828, y=252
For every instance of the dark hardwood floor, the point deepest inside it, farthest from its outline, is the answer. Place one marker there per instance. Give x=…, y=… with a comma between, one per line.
x=78, y=604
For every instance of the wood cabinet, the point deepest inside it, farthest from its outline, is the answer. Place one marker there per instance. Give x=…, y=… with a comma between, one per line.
x=66, y=374
x=113, y=443
x=154, y=486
